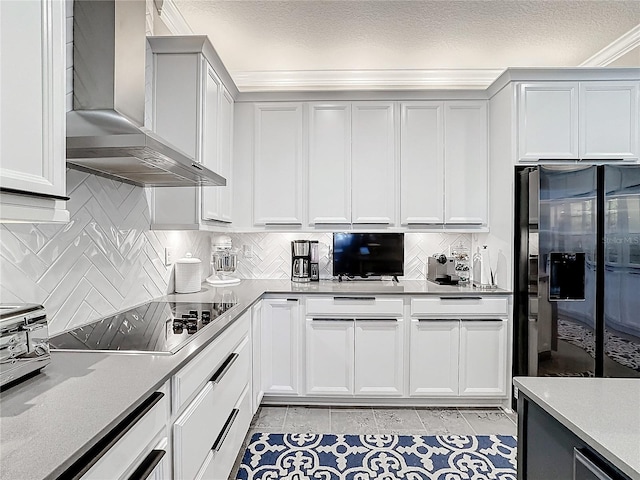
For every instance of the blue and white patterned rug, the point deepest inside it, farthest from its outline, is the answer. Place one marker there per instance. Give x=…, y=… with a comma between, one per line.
x=383, y=457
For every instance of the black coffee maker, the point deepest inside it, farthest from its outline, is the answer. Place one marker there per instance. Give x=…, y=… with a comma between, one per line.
x=304, y=261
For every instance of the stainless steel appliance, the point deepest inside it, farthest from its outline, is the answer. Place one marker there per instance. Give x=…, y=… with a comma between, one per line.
x=156, y=327
x=577, y=271
x=24, y=341
x=224, y=261
x=442, y=269
x=304, y=261
x=105, y=130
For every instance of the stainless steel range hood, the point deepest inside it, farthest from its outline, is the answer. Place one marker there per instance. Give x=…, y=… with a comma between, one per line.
x=105, y=133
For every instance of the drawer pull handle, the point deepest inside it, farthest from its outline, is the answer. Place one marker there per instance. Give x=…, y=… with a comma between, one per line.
x=224, y=368
x=355, y=298
x=148, y=465
x=217, y=445
x=326, y=319
x=438, y=320
x=460, y=298
x=292, y=299
x=95, y=453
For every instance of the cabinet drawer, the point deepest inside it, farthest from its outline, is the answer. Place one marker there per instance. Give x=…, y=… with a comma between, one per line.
x=190, y=379
x=221, y=458
x=476, y=307
x=355, y=306
x=141, y=432
x=196, y=430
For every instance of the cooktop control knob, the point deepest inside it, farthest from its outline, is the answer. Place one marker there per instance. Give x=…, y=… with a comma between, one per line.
x=193, y=313
x=178, y=327
x=206, y=317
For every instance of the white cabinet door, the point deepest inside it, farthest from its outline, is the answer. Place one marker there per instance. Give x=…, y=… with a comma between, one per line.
x=466, y=163
x=379, y=357
x=422, y=163
x=548, y=121
x=483, y=358
x=609, y=120
x=280, y=359
x=257, y=389
x=433, y=365
x=226, y=154
x=277, y=169
x=373, y=163
x=32, y=117
x=329, y=356
x=208, y=143
x=329, y=173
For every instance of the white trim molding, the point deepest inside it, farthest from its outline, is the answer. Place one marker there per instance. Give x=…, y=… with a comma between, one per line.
x=615, y=49
x=314, y=80
x=173, y=19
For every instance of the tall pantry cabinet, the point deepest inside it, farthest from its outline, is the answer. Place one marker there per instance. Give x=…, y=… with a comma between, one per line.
x=193, y=110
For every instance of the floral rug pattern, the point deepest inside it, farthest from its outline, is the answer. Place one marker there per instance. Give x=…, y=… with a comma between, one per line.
x=271, y=456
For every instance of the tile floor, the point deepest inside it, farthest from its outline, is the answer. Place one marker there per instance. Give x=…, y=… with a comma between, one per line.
x=401, y=421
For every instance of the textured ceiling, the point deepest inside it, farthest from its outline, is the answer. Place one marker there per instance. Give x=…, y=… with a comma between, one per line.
x=396, y=35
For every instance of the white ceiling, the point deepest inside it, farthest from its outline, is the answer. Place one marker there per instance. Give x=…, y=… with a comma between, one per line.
x=318, y=39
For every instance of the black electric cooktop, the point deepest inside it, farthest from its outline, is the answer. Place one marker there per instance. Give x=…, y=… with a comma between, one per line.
x=152, y=327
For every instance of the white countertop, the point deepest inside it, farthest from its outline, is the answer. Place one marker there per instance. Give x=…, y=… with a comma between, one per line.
x=603, y=412
x=80, y=396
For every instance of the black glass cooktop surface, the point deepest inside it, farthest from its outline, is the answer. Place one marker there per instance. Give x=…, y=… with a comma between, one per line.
x=152, y=327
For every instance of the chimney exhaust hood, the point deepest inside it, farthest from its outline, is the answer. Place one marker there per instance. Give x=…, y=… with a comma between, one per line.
x=105, y=133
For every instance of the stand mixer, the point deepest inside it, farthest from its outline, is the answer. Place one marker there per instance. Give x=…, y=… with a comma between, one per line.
x=224, y=260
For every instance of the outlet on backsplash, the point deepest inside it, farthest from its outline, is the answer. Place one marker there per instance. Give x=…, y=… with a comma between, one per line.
x=168, y=256
x=247, y=251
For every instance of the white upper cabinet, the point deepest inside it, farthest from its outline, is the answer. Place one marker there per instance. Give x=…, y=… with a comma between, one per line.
x=422, y=163
x=548, y=121
x=329, y=172
x=373, y=186
x=578, y=120
x=32, y=117
x=609, y=120
x=193, y=111
x=210, y=147
x=226, y=154
x=277, y=169
x=466, y=163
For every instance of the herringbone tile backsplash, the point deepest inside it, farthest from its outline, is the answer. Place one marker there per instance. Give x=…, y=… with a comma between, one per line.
x=271, y=252
x=106, y=259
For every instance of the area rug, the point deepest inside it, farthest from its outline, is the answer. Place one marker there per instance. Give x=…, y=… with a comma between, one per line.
x=381, y=457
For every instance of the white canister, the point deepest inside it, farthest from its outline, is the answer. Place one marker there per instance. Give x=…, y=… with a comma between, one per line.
x=188, y=274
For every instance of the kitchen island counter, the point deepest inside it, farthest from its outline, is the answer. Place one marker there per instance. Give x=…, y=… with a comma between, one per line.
x=79, y=397
x=604, y=413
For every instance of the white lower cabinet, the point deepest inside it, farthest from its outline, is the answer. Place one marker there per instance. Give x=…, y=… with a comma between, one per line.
x=433, y=365
x=329, y=356
x=280, y=324
x=137, y=436
x=379, y=356
x=354, y=357
x=483, y=358
x=220, y=460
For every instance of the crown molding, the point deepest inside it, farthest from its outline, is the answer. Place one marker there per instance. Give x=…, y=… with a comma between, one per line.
x=315, y=80
x=615, y=49
x=172, y=18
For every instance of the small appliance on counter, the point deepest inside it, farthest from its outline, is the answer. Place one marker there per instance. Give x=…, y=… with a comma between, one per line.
x=442, y=269
x=304, y=261
x=24, y=340
x=224, y=261
x=188, y=274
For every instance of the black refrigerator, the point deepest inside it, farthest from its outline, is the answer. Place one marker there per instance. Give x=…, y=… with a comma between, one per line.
x=577, y=271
